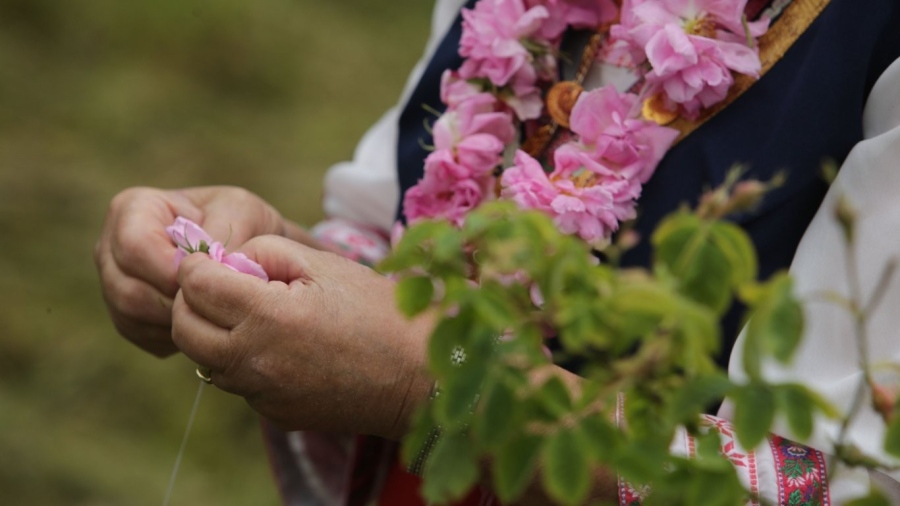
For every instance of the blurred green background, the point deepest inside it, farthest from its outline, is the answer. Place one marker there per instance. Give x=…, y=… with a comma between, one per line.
x=99, y=95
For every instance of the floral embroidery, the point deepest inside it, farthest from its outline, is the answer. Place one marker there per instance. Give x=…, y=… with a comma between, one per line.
x=801, y=474
x=352, y=241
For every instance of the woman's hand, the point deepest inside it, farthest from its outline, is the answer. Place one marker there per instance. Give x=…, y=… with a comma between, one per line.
x=135, y=257
x=320, y=346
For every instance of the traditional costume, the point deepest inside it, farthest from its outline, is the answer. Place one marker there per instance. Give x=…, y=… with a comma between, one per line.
x=834, y=93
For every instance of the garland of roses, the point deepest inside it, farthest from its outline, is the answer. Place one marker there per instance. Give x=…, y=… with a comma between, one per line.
x=686, y=54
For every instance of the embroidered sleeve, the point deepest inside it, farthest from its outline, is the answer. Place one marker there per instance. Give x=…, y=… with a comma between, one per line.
x=779, y=471
x=352, y=240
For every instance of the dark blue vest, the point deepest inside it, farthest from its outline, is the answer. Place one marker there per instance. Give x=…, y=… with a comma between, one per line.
x=808, y=108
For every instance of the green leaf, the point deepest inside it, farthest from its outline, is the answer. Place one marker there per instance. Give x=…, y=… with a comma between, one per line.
x=892, y=438
x=566, y=477
x=797, y=403
x=449, y=334
x=873, y=499
x=684, y=248
x=414, y=295
x=458, y=398
x=696, y=396
x=754, y=412
x=515, y=466
x=738, y=249
x=500, y=416
x=411, y=250
x=698, y=333
x=448, y=245
x=776, y=324
x=715, y=488
x=451, y=469
x=553, y=400
x=494, y=307
x=601, y=437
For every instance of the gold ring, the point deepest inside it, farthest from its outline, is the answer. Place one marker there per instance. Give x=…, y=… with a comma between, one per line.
x=204, y=374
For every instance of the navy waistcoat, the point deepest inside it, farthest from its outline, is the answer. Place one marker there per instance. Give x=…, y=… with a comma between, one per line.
x=806, y=109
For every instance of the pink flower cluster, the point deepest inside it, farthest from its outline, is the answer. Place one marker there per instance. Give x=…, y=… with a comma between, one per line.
x=688, y=48
x=191, y=238
x=692, y=47
x=597, y=177
x=513, y=44
x=469, y=140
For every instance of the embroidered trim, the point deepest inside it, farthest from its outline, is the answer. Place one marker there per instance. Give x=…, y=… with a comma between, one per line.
x=744, y=463
x=801, y=474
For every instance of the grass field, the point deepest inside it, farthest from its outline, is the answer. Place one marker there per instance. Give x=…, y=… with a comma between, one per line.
x=99, y=95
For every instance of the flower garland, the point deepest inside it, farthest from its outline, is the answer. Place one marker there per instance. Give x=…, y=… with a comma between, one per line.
x=686, y=53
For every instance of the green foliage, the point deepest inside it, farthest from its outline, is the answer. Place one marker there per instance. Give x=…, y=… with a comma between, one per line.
x=892, y=438
x=875, y=498
x=566, y=472
x=452, y=470
x=753, y=413
x=514, y=466
x=707, y=259
x=777, y=323
x=414, y=295
x=648, y=336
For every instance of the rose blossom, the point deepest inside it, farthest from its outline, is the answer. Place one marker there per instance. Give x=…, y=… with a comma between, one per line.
x=692, y=47
x=491, y=35
x=191, y=238
x=474, y=133
x=610, y=141
x=580, y=202
x=435, y=197
x=574, y=13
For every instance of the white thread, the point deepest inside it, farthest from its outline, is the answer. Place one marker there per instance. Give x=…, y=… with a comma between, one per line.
x=184, y=440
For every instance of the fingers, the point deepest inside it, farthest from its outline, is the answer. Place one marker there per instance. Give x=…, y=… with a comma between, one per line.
x=131, y=298
x=217, y=293
x=199, y=339
x=234, y=215
x=135, y=237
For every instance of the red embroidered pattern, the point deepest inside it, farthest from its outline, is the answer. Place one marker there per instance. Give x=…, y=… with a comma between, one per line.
x=745, y=463
x=629, y=496
x=801, y=474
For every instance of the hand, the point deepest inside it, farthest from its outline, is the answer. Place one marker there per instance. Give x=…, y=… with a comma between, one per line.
x=135, y=257
x=320, y=346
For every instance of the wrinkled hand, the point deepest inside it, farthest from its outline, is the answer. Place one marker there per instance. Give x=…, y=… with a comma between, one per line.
x=135, y=257
x=320, y=346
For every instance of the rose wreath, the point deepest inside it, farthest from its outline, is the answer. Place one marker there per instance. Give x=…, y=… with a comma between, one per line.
x=686, y=54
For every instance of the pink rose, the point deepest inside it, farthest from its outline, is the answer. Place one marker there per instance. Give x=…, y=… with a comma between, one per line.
x=574, y=13
x=191, y=238
x=469, y=139
x=454, y=89
x=442, y=198
x=692, y=47
x=610, y=141
x=492, y=35
x=580, y=202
